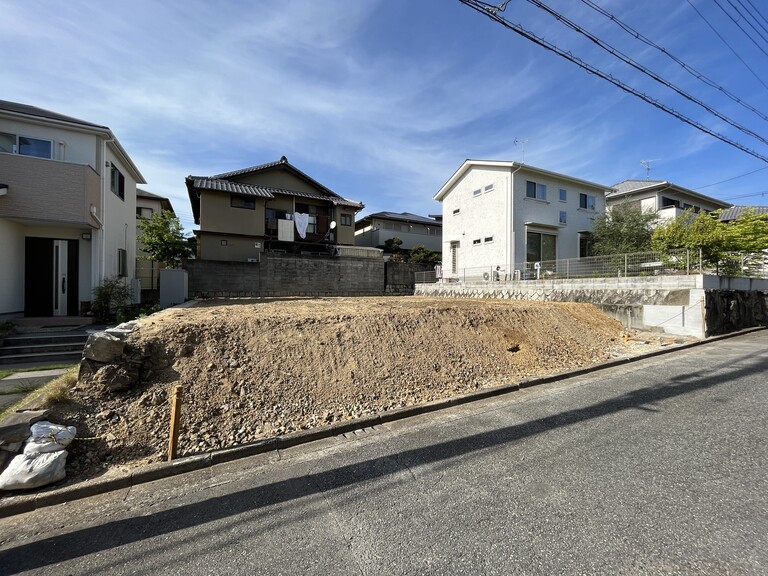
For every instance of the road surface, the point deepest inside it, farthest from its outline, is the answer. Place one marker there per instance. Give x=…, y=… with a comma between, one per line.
x=656, y=467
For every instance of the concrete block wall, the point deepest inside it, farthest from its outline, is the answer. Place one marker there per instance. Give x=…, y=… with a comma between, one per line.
x=400, y=277
x=286, y=276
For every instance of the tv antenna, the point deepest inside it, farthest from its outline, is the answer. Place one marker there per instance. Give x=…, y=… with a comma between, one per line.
x=647, y=165
x=520, y=142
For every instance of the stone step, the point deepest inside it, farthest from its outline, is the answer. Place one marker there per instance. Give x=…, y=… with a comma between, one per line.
x=63, y=357
x=50, y=338
x=41, y=348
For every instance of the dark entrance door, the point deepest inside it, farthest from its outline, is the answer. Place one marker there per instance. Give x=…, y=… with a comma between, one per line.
x=51, y=277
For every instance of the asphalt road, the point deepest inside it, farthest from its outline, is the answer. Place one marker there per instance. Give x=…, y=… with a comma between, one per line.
x=656, y=467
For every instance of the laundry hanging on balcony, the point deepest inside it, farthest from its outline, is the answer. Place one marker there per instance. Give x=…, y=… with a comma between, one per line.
x=302, y=220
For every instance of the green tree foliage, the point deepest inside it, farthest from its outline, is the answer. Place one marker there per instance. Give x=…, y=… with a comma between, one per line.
x=163, y=240
x=622, y=230
x=747, y=234
x=393, y=245
x=693, y=231
x=423, y=255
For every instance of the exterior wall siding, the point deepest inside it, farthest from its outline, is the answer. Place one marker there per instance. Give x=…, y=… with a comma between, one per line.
x=48, y=190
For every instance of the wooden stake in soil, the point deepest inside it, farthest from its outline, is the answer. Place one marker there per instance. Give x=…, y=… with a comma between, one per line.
x=175, y=418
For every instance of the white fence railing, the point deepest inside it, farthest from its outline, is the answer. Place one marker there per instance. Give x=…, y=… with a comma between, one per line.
x=754, y=265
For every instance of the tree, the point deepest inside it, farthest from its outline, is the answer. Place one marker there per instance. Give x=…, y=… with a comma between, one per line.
x=163, y=239
x=423, y=255
x=694, y=231
x=748, y=233
x=623, y=229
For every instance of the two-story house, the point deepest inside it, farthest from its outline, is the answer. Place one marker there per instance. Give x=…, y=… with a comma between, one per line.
x=507, y=214
x=271, y=207
x=668, y=200
x=147, y=204
x=375, y=229
x=67, y=211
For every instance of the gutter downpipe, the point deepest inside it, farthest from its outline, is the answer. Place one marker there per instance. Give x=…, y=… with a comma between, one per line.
x=511, y=223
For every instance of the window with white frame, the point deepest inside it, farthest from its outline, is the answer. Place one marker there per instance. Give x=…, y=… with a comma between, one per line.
x=477, y=192
x=563, y=217
x=26, y=146
x=488, y=239
x=563, y=195
x=477, y=242
x=587, y=201
x=535, y=190
x=456, y=211
x=488, y=188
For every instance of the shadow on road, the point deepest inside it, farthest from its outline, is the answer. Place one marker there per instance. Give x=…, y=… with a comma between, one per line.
x=120, y=532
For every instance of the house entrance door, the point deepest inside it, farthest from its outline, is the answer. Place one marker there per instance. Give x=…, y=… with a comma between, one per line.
x=50, y=277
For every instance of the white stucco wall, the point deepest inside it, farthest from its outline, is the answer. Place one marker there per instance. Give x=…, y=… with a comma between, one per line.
x=12, y=259
x=119, y=222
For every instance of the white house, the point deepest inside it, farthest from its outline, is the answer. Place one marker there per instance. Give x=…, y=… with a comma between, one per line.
x=506, y=214
x=668, y=200
x=67, y=211
x=375, y=229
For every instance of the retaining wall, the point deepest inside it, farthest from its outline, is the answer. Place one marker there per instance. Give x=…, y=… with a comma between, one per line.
x=672, y=304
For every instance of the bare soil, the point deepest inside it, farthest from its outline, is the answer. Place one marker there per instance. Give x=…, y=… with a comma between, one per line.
x=257, y=368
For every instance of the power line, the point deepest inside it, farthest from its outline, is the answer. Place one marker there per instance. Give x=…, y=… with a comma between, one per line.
x=757, y=21
x=729, y=179
x=729, y=46
x=637, y=66
x=756, y=11
x=690, y=69
x=491, y=11
x=747, y=34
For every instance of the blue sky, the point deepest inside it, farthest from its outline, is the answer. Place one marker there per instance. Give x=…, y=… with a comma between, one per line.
x=382, y=100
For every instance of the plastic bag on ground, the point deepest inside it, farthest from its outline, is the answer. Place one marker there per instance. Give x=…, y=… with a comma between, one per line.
x=48, y=437
x=32, y=471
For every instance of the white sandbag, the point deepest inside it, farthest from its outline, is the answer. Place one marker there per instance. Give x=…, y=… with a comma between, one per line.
x=47, y=437
x=26, y=472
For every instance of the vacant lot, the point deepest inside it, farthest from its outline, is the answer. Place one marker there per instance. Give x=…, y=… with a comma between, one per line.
x=258, y=368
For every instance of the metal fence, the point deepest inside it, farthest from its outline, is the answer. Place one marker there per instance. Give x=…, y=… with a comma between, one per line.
x=754, y=265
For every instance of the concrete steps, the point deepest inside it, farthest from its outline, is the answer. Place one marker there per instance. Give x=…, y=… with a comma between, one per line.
x=50, y=347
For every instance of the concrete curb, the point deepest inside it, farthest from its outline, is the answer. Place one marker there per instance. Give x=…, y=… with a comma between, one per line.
x=19, y=504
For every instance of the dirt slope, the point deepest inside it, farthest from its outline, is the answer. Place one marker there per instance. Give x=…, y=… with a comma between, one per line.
x=259, y=368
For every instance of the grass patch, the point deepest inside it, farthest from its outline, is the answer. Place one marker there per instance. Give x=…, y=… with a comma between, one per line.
x=55, y=393
x=7, y=372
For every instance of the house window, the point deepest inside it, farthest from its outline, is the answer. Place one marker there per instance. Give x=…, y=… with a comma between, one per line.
x=454, y=257
x=477, y=192
x=143, y=212
x=224, y=242
x=405, y=228
x=477, y=242
x=389, y=226
x=535, y=190
x=666, y=202
x=563, y=217
x=122, y=263
x=456, y=211
x=488, y=188
x=271, y=216
x=585, y=245
x=25, y=146
x=346, y=219
x=117, y=183
x=488, y=239
x=586, y=201
x=246, y=202
x=563, y=195
x=540, y=247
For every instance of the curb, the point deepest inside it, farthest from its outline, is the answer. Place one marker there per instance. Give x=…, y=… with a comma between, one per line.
x=20, y=504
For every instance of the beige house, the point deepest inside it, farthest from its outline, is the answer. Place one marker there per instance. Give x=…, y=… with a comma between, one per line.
x=666, y=199
x=147, y=204
x=273, y=207
x=67, y=211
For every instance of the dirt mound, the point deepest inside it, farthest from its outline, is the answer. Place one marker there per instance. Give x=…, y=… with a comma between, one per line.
x=259, y=368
